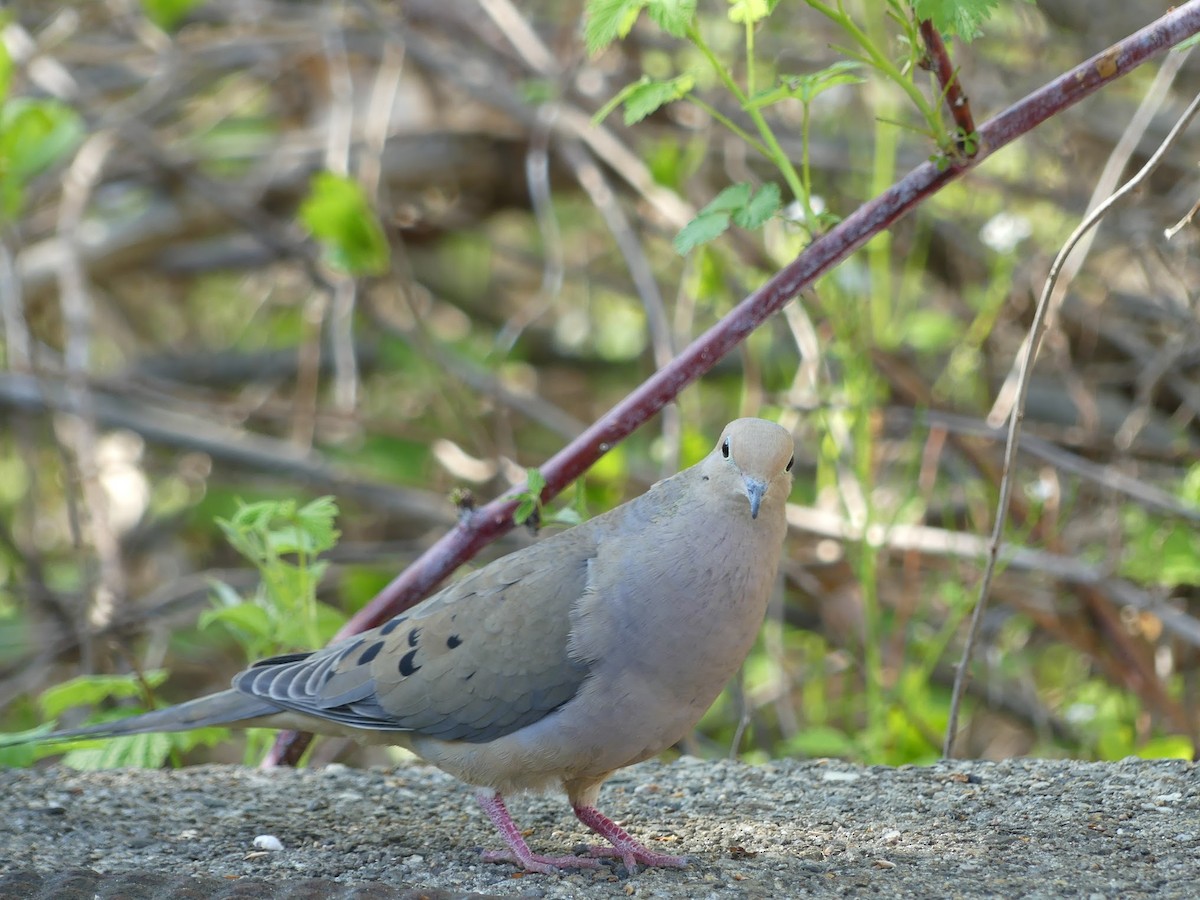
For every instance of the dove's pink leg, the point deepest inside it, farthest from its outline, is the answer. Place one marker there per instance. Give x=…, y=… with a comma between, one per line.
x=493, y=805
x=630, y=851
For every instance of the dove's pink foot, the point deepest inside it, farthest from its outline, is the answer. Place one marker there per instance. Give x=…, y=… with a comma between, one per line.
x=519, y=853
x=624, y=847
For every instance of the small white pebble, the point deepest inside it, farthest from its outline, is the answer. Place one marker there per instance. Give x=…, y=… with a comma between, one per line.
x=840, y=776
x=891, y=836
x=189, y=834
x=267, y=842
x=884, y=864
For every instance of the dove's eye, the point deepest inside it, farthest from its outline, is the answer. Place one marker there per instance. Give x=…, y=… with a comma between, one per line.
x=725, y=448
x=791, y=462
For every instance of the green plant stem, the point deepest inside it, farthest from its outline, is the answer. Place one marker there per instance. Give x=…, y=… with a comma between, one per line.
x=772, y=150
x=308, y=597
x=868, y=568
x=881, y=63
x=806, y=171
x=719, y=116
x=751, y=90
x=883, y=318
x=777, y=155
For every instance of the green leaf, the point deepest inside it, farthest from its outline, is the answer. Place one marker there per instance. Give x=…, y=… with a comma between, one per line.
x=249, y=618
x=19, y=750
x=930, y=330
x=761, y=207
x=960, y=17
x=330, y=620
x=1189, y=491
x=733, y=198
x=647, y=96
x=6, y=68
x=702, y=229
x=1158, y=552
x=268, y=528
x=140, y=751
x=524, y=510
x=807, y=88
x=767, y=96
x=673, y=16
x=747, y=12
x=531, y=497
x=317, y=519
x=535, y=481
x=337, y=214
x=166, y=14
x=144, y=751
x=88, y=690
x=1173, y=746
x=608, y=20
x=817, y=741
x=1179, y=563
x=738, y=203
x=34, y=135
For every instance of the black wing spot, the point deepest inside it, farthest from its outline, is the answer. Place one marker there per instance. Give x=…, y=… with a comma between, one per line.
x=392, y=624
x=453, y=641
x=413, y=637
x=408, y=663
x=370, y=653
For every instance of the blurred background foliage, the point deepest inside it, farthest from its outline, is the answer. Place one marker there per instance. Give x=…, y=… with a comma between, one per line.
x=264, y=252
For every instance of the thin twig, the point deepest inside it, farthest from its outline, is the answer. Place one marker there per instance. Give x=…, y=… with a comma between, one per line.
x=1017, y=416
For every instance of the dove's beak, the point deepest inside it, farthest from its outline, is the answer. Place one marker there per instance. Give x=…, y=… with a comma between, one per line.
x=755, y=490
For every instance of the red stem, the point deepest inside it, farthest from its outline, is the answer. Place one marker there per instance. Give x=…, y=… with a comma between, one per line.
x=960, y=108
x=479, y=528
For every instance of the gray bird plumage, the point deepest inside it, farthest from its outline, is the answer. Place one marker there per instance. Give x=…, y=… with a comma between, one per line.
x=593, y=649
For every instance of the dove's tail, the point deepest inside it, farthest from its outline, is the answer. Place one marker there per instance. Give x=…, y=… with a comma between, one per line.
x=223, y=708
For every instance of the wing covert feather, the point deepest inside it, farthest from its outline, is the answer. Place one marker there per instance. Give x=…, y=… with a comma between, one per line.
x=486, y=656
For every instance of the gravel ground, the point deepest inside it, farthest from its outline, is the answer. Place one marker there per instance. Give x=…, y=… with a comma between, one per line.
x=1028, y=828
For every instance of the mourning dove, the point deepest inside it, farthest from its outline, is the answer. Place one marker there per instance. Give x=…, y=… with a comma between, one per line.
x=593, y=649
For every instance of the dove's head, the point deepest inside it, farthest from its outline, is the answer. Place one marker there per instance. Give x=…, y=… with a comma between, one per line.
x=753, y=459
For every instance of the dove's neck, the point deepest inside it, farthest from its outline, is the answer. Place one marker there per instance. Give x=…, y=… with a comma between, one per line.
x=700, y=598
